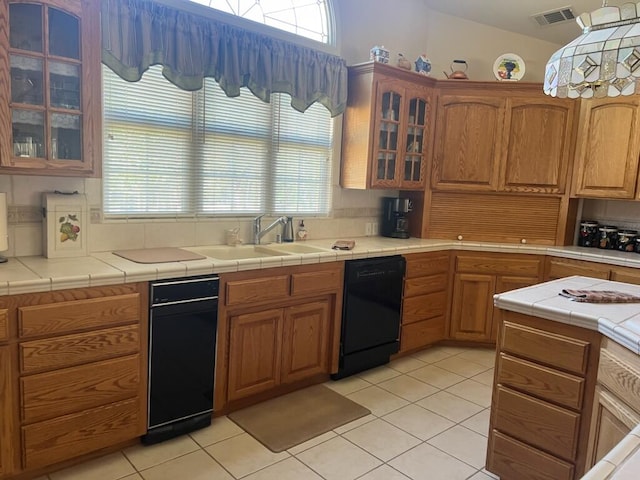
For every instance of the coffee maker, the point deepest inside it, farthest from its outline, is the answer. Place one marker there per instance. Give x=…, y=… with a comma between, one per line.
x=395, y=223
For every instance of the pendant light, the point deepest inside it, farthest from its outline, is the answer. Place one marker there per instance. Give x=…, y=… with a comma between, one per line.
x=602, y=62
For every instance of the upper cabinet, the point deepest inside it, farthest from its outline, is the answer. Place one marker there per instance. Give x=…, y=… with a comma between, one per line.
x=387, y=128
x=50, y=93
x=607, y=148
x=496, y=137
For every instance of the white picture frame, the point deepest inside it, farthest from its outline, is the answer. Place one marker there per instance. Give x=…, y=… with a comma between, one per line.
x=65, y=225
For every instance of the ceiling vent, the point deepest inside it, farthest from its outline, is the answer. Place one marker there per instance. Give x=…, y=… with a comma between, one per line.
x=554, y=16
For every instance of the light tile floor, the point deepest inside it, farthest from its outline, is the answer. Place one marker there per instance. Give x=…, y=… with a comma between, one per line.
x=429, y=421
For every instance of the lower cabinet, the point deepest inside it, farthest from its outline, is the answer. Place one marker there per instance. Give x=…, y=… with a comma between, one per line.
x=616, y=408
x=542, y=399
x=273, y=347
x=425, y=300
x=80, y=377
x=565, y=267
x=278, y=329
x=477, y=278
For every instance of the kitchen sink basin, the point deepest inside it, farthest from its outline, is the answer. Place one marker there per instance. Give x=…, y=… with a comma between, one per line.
x=293, y=248
x=236, y=253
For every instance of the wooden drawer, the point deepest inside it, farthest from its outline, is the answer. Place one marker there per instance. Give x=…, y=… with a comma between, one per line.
x=498, y=266
x=423, y=285
x=320, y=281
x=542, y=382
x=548, y=348
x=511, y=459
x=420, y=334
x=59, y=439
x=619, y=371
x=560, y=268
x=419, y=308
x=257, y=290
x=421, y=264
x=4, y=325
x=76, y=315
x=69, y=350
x=539, y=423
x=53, y=394
x=625, y=275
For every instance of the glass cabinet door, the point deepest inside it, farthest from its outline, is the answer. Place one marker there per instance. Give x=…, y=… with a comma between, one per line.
x=46, y=82
x=389, y=128
x=416, y=131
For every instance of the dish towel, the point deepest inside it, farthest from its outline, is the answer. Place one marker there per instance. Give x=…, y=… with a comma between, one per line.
x=599, y=296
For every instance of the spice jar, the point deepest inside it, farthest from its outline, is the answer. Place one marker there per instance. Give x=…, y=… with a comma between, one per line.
x=588, y=236
x=608, y=237
x=627, y=240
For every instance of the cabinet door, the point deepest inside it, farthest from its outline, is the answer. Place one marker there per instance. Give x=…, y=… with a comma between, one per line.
x=417, y=118
x=472, y=307
x=5, y=412
x=254, y=353
x=467, y=146
x=537, y=144
x=51, y=105
x=607, y=148
x=388, y=131
x=612, y=420
x=305, y=341
x=505, y=283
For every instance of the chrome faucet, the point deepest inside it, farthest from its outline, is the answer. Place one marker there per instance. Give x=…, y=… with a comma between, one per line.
x=258, y=233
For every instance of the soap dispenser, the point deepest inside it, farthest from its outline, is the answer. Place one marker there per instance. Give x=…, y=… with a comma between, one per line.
x=302, y=231
x=287, y=230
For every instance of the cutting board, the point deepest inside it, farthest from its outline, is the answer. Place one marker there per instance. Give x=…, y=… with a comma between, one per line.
x=158, y=255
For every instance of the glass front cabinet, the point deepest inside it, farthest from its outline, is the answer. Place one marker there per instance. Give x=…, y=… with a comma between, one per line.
x=386, y=128
x=50, y=87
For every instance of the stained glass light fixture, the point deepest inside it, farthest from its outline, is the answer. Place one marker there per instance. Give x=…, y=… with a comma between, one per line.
x=602, y=62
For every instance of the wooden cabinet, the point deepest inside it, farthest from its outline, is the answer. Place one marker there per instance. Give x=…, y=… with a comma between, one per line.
x=278, y=329
x=542, y=399
x=425, y=300
x=6, y=449
x=477, y=278
x=497, y=138
x=566, y=267
x=81, y=373
x=616, y=408
x=608, y=148
x=386, y=128
x=50, y=95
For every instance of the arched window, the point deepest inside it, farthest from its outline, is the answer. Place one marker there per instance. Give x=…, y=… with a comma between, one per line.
x=306, y=18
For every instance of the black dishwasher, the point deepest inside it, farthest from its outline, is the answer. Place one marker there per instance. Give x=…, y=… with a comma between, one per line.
x=371, y=308
x=182, y=346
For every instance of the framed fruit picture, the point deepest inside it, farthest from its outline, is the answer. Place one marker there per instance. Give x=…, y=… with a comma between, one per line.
x=65, y=225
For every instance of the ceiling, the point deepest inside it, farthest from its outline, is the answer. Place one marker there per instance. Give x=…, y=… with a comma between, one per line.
x=515, y=15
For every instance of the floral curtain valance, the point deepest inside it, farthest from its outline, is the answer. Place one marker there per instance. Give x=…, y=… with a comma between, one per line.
x=139, y=33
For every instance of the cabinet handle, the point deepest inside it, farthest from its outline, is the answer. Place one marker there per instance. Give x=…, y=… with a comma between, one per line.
x=460, y=237
x=524, y=240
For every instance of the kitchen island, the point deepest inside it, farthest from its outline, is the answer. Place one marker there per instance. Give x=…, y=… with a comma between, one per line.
x=566, y=384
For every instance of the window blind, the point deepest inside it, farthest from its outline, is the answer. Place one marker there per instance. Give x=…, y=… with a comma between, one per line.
x=168, y=152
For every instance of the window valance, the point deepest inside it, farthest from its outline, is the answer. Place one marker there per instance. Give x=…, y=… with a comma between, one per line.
x=139, y=33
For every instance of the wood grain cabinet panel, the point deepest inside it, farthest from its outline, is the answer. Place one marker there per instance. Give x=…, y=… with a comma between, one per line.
x=472, y=306
x=422, y=307
x=257, y=290
x=608, y=148
x=316, y=282
x=69, y=350
x=4, y=325
x=305, y=346
x=619, y=372
x=566, y=267
x=77, y=315
x=6, y=412
x=424, y=285
x=427, y=265
x=467, y=142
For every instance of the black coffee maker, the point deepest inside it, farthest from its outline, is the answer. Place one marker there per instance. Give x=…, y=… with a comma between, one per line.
x=394, y=217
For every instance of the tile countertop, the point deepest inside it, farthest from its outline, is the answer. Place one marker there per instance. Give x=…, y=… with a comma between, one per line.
x=618, y=321
x=38, y=274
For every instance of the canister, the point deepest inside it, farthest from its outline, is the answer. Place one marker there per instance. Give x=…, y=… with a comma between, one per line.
x=637, y=245
x=588, y=236
x=608, y=237
x=627, y=240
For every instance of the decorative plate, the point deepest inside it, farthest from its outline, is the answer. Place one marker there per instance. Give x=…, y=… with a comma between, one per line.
x=509, y=67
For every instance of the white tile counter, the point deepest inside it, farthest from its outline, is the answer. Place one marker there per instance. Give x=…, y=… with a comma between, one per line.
x=618, y=321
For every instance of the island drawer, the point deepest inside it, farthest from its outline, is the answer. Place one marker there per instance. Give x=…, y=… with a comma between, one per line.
x=257, y=289
x=619, y=371
x=53, y=394
x=510, y=458
x=541, y=424
x=542, y=382
x=545, y=347
x=70, y=350
x=78, y=315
